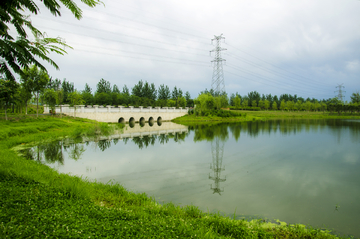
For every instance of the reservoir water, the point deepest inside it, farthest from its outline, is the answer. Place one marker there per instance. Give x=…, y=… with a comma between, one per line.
x=297, y=171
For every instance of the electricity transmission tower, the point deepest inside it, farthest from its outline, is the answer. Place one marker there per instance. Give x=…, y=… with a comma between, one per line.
x=340, y=92
x=217, y=84
x=217, y=156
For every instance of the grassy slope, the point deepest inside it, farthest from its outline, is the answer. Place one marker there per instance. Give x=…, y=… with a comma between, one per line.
x=37, y=202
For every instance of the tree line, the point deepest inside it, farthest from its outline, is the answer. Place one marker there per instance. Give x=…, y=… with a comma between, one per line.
x=288, y=102
x=36, y=86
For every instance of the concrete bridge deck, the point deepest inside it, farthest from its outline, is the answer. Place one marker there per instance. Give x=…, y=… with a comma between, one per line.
x=120, y=114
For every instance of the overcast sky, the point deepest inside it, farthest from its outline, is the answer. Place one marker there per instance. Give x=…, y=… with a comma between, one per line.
x=280, y=46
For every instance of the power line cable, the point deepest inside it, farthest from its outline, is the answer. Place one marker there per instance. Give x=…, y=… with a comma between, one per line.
x=305, y=78
x=267, y=79
x=116, y=33
x=269, y=70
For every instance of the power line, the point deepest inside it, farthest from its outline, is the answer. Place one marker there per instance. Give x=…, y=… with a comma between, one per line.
x=290, y=72
x=277, y=83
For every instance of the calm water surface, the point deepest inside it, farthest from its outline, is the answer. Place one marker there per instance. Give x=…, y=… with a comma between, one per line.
x=296, y=171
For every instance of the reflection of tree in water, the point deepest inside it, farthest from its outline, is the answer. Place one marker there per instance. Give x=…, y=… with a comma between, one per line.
x=54, y=151
x=163, y=138
x=209, y=132
x=74, y=150
x=115, y=141
x=146, y=141
x=178, y=137
x=284, y=127
x=103, y=144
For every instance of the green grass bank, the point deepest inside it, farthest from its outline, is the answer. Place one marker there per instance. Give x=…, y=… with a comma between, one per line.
x=38, y=202
x=263, y=115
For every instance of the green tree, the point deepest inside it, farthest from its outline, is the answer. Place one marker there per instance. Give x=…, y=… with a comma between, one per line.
x=50, y=98
x=182, y=102
x=323, y=106
x=290, y=105
x=54, y=84
x=16, y=50
x=274, y=105
x=103, y=86
x=205, y=102
x=261, y=104
x=115, y=89
x=137, y=90
x=26, y=91
x=266, y=104
x=126, y=90
x=8, y=90
x=67, y=87
x=75, y=99
x=307, y=105
x=163, y=92
x=245, y=103
x=355, y=97
x=87, y=88
x=254, y=95
x=237, y=102
x=36, y=80
x=253, y=103
x=282, y=105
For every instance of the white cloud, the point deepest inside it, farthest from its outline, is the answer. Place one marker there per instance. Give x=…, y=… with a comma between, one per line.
x=277, y=42
x=353, y=65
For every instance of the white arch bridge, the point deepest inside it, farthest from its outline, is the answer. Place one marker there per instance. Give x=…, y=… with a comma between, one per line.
x=120, y=114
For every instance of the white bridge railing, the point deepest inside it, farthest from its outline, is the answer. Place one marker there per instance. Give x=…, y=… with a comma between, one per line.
x=112, y=109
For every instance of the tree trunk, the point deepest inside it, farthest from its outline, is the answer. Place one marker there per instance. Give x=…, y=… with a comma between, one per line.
x=6, y=112
x=26, y=108
x=37, y=105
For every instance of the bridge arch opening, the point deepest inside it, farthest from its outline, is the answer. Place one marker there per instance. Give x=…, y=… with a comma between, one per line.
x=121, y=120
x=132, y=122
x=142, y=122
x=159, y=121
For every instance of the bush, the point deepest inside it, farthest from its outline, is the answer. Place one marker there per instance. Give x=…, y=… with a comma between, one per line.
x=220, y=113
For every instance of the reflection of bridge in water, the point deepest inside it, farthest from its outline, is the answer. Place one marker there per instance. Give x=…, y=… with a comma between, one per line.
x=146, y=129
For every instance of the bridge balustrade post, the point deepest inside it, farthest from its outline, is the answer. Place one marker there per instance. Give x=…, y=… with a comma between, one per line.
x=121, y=108
x=166, y=108
x=141, y=108
x=180, y=109
x=109, y=107
x=131, y=108
x=66, y=108
x=173, y=108
x=82, y=108
x=96, y=108
x=150, y=107
x=158, y=109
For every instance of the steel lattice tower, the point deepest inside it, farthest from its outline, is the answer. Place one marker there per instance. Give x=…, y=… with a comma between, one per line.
x=340, y=94
x=217, y=84
x=217, y=156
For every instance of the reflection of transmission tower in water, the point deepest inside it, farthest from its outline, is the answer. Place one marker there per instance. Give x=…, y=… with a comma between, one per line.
x=217, y=156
